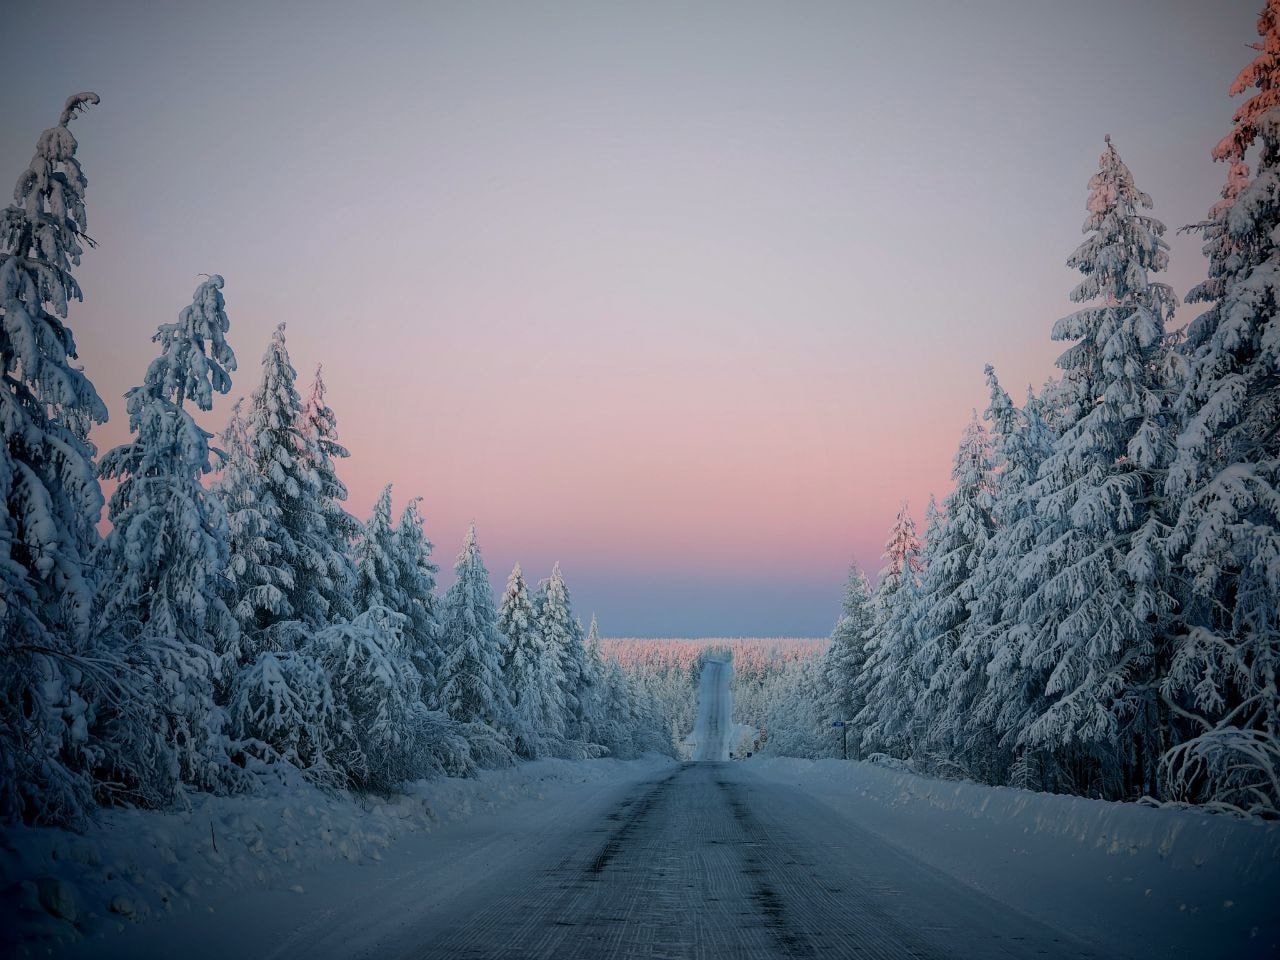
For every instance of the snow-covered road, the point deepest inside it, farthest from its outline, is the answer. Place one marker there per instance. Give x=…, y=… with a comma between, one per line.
x=762, y=859
x=710, y=861
x=714, y=724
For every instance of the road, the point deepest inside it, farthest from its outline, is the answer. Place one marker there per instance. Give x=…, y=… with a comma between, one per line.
x=712, y=862
x=709, y=861
x=702, y=860
x=714, y=724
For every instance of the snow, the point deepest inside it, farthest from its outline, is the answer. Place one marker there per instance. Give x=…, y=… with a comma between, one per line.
x=275, y=858
x=1137, y=880
x=713, y=728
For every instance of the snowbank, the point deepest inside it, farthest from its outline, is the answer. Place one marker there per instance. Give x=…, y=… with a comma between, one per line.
x=1141, y=881
x=57, y=886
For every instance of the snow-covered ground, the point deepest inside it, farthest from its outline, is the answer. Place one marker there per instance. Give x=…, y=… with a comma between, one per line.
x=599, y=859
x=1135, y=880
x=256, y=874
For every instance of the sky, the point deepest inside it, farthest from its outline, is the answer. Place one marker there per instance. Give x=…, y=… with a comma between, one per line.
x=687, y=297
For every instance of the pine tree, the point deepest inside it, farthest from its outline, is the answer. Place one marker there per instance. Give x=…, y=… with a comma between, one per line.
x=985, y=672
x=1097, y=588
x=845, y=659
x=313, y=573
x=471, y=687
x=380, y=732
x=50, y=500
x=160, y=602
x=596, y=699
x=530, y=672
x=562, y=635
x=416, y=578
x=950, y=587
x=377, y=573
x=258, y=579
x=882, y=721
x=1225, y=477
x=321, y=449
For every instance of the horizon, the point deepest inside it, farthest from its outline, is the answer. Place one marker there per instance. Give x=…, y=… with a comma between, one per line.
x=638, y=290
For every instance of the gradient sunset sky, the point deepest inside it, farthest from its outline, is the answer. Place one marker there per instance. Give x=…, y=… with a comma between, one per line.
x=687, y=296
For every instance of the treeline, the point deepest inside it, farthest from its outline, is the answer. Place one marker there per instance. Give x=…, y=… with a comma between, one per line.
x=237, y=621
x=1095, y=608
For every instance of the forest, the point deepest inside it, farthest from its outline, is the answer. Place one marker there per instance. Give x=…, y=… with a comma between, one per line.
x=1095, y=606
x=235, y=622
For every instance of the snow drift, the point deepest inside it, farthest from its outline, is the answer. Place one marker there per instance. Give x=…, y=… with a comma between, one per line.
x=1140, y=880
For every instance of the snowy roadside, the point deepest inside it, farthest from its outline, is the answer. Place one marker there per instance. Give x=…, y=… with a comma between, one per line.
x=146, y=869
x=1143, y=881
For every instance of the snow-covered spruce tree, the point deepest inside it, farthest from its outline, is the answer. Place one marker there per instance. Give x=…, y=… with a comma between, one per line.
x=283, y=710
x=321, y=449
x=882, y=722
x=416, y=580
x=160, y=604
x=381, y=733
x=471, y=687
x=49, y=494
x=985, y=675
x=308, y=572
x=795, y=713
x=562, y=635
x=950, y=588
x=1096, y=585
x=288, y=578
x=1225, y=478
x=622, y=724
x=530, y=672
x=377, y=574
x=257, y=578
x=596, y=694
x=847, y=655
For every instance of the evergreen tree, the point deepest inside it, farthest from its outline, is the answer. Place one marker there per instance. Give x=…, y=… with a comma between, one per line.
x=160, y=601
x=562, y=635
x=883, y=719
x=380, y=732
x=596, y=699
x=257, y=578
x=471, y=687
x=845, y=659
x=377, y=573
x=1225, y=477
x=985, y=676
x=283, y=709
x=416, y=579
x=1096, y=586
x=309, y=572
x=949, y=587
x=530, y=672
x=50, y=500
x=321, y=449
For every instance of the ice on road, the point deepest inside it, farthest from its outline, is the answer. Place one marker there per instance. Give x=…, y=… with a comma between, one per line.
x=713, y=728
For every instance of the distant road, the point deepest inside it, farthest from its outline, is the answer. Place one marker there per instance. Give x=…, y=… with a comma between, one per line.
x=714, y=725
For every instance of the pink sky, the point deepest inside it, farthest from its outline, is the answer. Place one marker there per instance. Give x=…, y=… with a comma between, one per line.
x=686, y=298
